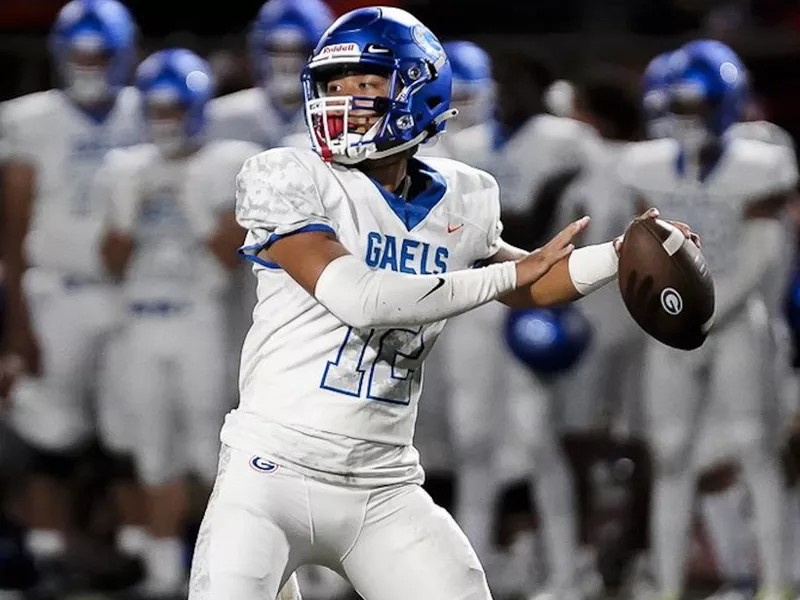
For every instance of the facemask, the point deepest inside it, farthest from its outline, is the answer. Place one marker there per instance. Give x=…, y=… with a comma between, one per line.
x=87, y=85
x=168, y=136
x=691, y=133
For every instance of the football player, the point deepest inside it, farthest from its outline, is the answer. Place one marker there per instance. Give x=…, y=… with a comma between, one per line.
x=172, y=239
x=735, y=191
x=489, y=454
x=62, y=314
x=361, y=252
x=655, y=111
x=281, y=37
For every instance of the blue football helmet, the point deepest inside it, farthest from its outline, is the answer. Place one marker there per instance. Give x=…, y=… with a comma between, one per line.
x=385, y=41
x=92, y=43
x=655, y=107
x=549, y=341
x=176, y=85
x=473, y=86
x=281, y=39
x=707, y=90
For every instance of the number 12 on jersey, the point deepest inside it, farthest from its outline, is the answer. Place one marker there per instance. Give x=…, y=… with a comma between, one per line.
x=376, y=364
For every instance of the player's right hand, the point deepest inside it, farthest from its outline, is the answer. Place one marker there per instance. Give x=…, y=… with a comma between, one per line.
x=536, y=264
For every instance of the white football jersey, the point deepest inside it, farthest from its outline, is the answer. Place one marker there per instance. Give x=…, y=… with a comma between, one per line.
x=544, y=147
x=713, y=203
x=67, y=147
x=333, y=400
x=174, y=205
x=761, y=130
x=249, y=115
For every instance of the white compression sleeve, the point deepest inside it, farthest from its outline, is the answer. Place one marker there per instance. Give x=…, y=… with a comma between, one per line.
x=591, y=267
x=365, y=298
x=763, y=242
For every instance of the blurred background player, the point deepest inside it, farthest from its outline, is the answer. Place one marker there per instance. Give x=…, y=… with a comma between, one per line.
x=473, y=92
x=439, y=423
x=62, y=314
x=504, y=147
x=598, y=401
x=586, y=356
x=735, y=192
x=655, y=109
x=724, y=507
x=281, y=38
x=172, y=241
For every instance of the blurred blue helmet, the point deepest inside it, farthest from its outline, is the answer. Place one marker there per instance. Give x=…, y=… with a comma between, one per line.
x=706, y=73
x=175, y=78
x=390, y=42
x=473, y=86
x=92, y=43
x=655, y=103
x=281, y=39
x=548, y=340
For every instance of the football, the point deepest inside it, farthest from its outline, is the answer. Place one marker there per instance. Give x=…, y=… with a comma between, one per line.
x=665, y=284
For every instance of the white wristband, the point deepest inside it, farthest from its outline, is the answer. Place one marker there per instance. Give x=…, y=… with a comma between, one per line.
x=591, y=267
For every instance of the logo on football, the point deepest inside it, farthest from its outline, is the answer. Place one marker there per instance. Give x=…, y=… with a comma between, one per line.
x=671, y=301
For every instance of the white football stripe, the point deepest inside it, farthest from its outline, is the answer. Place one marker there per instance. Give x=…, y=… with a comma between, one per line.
x=706, y=327
x=675, y=240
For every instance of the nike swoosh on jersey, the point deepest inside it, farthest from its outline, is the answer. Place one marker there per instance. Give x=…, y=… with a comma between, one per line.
x=439, y=284
x=452, y=228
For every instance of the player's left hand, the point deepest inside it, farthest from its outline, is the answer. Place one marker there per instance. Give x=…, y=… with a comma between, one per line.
x=653, y=213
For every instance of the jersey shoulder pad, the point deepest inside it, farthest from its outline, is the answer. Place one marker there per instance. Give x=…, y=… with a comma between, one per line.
x=277, y=194
x=763, y=131
x=469, y=145
x=762, y=168
x=239, y=104
x=32, y=107
x=639, y=160
x=27, y=122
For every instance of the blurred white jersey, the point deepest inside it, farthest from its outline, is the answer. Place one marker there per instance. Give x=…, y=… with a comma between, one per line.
x=713, y=202
x=334, y=401
x=763, y=131
x=171, y=208
x=544, y=147
x=599, y=193
x=67, y=147
x=249, y=115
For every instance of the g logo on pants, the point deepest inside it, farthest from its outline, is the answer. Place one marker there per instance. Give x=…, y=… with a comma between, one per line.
x=262, y=465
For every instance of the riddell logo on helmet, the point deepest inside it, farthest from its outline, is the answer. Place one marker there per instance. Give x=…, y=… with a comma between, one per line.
x=335, y=49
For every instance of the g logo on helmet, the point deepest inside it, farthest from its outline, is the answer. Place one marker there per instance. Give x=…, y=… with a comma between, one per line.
x=671, y=301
